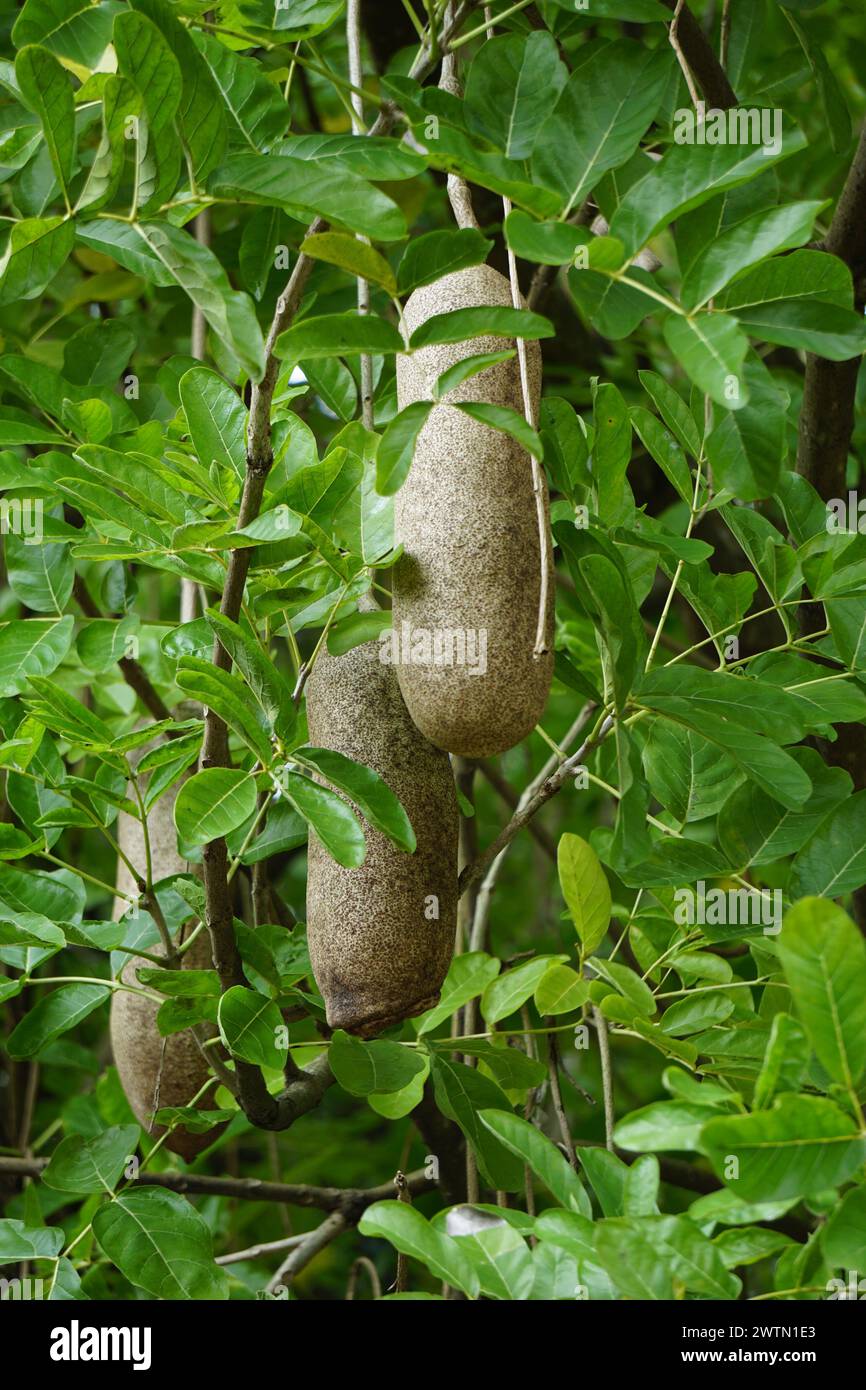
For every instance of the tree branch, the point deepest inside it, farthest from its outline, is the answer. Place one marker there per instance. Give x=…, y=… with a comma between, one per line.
x=350, y=1202
x=827, y=414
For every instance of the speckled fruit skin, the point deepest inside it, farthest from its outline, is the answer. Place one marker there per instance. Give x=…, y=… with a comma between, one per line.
x=135, y=1038
x=467, y=519
x=377, y=957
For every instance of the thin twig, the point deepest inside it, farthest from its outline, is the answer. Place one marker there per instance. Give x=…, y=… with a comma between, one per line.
x=365, y=1264
x=512, y=801
x=401, y=1283
x=537, y=795
x=301, y=1255
x=556, y=1097
x=356, y=77
x=600, y=1022
x=255, y=1252
x=673, y=35
x=459, y=195
x=700, y=58
x=725, y=33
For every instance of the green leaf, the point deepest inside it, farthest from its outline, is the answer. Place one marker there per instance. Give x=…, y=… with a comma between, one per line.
x=250, y=1025
x=688, y=175
x=585, y=889
x=55, y=1014
x=502, y=417
x=508, y=991
x=743, y=245
x=32, y=646
x=268, y=686
x=467, y=367
x=227, y=697
x=547, y=243
x=169, y=251
x=397, y=447
x=180, y=984
x=201, y=117
x=91, y=1165
x=490, y=320
x=434, y=254
x=747, y=1246
x=804, y=1145
x=747, y=447
x=356, y=629
x=217, y=419
x=18, y=1241
x=646, y=1256
x=411, y=1234
x=254, y=107
x=355, y=257
x=664, y=448
x=824, y=329
x=307, y=188
x=338, y=335
x=710, y=348
x=462, y=1093
x=614, y=309
x=367, y=790
x=824, y=960
x=606, y=1175
x=394, y=1105
x=560, y=990
x=719, y=705
x=628, y=983
x=754, y=828
x=467, y=977
x=37, y=248
x=212, y=803
x=376, y=157
x=665, y=1125
x=844, y=1236
x=600, y=117
x=834, y=860
x=529, y=1144
x=511, y=85
x=511, y=1068
x=148, y=62
x=502, y=1259
x=47, y=90
x=121, y=102
x=161, y=1244
x=693, y=1015
x=75, y=29
x=686, y=773
x=804, y=275
x=674, y=411
x=365, y=1068
x=834, y=106
x=641, y=1189
x=785, y=1061
x=333, y=821
x=566, y=1230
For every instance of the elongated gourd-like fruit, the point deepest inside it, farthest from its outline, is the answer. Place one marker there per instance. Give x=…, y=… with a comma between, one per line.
x=156, y=1072
x=381, y=936
x=467, y=589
